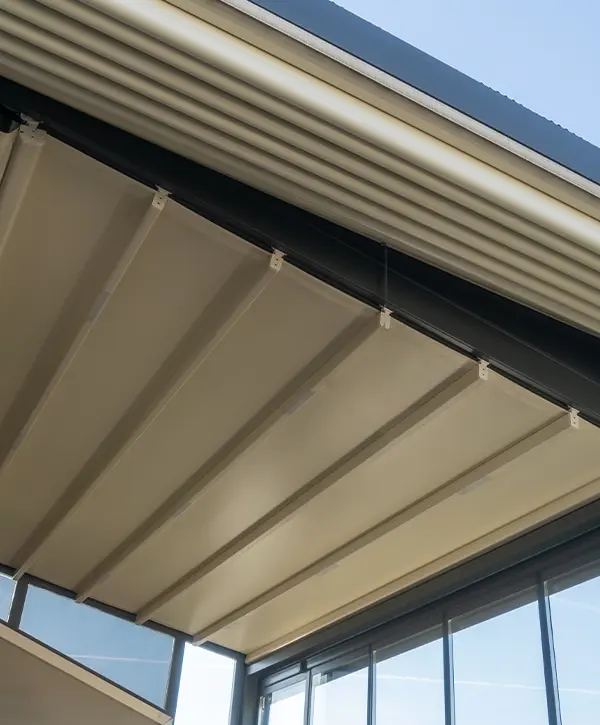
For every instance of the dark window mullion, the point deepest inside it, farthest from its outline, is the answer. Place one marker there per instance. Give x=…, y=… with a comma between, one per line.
x=308, y=698
x=552, y=696
x=371, y=689
x=18, y=602
x=448, y=673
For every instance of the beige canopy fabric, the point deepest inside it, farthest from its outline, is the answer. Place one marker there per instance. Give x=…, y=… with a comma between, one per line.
x=195, y=431
x=39, y=687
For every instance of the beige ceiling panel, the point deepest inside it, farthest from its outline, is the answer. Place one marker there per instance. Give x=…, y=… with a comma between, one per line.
x=173, y=277
x=68, y=204
x=386, y=375
x=539, y=477
x=453, y=442
x=556, y=508
x=215, y=402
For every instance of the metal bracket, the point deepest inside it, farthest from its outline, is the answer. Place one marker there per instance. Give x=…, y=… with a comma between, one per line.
x=385, y=318
x=276, y=261
x=574, y=418
x=160, y=199
x=30, y=133
x=484, y=370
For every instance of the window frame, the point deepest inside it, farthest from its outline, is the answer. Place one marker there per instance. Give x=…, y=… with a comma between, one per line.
x=22, y=586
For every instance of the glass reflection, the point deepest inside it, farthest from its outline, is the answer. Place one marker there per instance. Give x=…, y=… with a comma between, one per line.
x=339, y=694
x=286, y=707
x=409, y=682
x=575, y=613
x=205, y=689
x=498, y=667
x=134, y=657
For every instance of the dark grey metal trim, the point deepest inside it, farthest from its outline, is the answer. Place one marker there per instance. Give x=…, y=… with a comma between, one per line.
x=269, y=684
x=250, y=707
x=449, y=711
x=175, y=676
x=265, y=709
x=332, y=23
x=371, y=685
x=269, y=689
x=237, y=694
x=552, y=694
x=332, y=659
x=17, y=604
x=308, y=696
x=218, y=649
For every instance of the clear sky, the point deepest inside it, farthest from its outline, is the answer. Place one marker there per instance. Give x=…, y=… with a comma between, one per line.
x=541, y=53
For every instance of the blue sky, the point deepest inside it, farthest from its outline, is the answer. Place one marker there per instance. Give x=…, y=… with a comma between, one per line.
x=541, y=53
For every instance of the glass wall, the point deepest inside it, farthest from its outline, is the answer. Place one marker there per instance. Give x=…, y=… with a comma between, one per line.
x=286, y=706
x=205, y=689
x=526, y=657
x=7, y=589
x=498, y=666
x=575, y=612
x=136, y=658
x=409, y=681
x=339, y=693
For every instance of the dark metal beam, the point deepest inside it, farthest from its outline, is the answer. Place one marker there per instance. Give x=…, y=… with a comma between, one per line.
x=448, y=674
x=175, y=676
x=552, y=697
x=237, y=695
x=17, y=604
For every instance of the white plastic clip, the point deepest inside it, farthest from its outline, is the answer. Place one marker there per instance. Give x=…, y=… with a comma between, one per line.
x=574, y=418
x=385, y=318
x=30, y=133
x=276, y=261
x=484, y=371
x=160, y=199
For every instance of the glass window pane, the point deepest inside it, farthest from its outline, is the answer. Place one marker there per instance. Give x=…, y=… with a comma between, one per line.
x=409, y=682
x=287, y=705
x=205, y=689
x=7, y=588
x=498, y=668
x=576, y=627
x=134, y=657
x=339, y=695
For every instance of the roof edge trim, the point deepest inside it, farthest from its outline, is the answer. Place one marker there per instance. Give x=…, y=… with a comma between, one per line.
x=411, y=93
